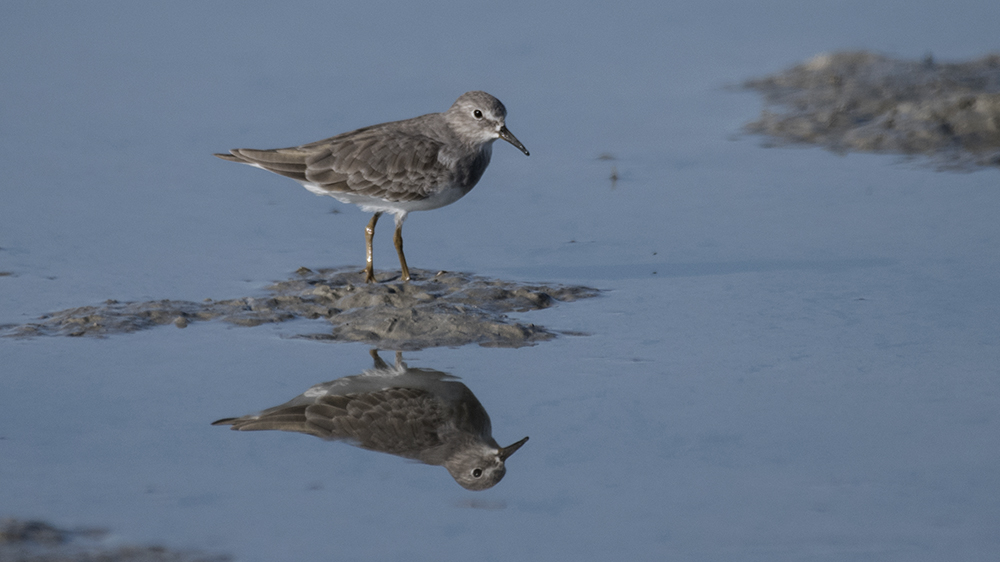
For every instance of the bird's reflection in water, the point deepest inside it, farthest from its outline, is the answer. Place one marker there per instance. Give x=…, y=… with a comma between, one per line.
x=418, y=414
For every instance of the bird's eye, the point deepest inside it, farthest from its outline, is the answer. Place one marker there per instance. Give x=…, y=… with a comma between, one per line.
x=477, y=114
x=477, y=472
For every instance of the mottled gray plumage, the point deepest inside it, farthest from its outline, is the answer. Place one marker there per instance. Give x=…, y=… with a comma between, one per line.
x=414, y=165
x=418, y=414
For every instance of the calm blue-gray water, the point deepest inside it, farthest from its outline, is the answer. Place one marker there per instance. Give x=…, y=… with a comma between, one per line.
x=796, y=355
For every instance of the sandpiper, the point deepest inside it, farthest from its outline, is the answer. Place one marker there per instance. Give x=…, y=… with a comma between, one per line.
x=412, y=165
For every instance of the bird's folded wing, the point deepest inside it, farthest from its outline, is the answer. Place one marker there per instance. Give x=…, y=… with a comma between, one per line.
x=395, y=167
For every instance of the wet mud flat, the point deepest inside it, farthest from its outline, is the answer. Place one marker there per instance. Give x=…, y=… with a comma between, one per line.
x=866, y=102
x=37, y=541
x=433, y=309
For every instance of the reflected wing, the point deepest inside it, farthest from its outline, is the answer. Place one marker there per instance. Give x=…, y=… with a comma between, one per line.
x=398, y=421
x=285, y=419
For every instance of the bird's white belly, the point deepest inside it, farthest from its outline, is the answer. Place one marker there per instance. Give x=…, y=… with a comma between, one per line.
x=369, y=204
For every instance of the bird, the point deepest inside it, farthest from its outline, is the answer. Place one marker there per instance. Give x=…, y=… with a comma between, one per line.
x=416, y=164
x=419, y=414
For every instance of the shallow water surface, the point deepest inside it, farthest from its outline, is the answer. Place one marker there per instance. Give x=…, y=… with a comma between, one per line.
x=793, y=355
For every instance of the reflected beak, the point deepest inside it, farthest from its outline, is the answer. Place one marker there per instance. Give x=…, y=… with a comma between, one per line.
x=509, y=137
x=509, y=450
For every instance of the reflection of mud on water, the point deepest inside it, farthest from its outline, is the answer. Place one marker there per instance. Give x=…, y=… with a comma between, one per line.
x=870, y=103
x=35, y=541
x=446, y=309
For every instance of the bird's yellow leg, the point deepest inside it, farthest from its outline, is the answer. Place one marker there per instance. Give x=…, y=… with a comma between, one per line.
x=369, y=270
x=398, y=239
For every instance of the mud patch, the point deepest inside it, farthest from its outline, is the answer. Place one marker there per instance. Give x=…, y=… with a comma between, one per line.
x=433, y=309
x=861, y=101
x=36, y=541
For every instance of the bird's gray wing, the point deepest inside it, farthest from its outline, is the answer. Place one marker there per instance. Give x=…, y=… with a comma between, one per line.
x=392, y=161
x=391, y=164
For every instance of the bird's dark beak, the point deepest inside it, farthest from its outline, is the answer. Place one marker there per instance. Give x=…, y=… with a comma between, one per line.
x=509, y=137
x=509, y=450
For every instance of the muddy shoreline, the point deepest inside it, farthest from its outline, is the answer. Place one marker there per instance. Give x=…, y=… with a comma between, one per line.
x=434, y=309
x=37, y=541
x=866, y=102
